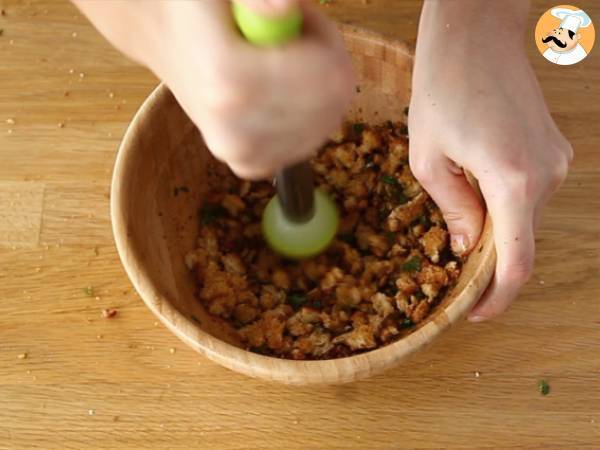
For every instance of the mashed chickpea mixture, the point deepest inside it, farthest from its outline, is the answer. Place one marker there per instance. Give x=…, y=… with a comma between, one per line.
x=388, y=267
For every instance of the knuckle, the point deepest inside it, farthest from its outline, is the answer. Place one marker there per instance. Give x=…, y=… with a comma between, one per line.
x=518, y=272
x=224, y=94
x=559, y=173
x=421, y=167
x=520, y=186
x=225, y=100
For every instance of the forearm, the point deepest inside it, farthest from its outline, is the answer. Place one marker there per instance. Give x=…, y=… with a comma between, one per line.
x=134, y=27
x=153, y=32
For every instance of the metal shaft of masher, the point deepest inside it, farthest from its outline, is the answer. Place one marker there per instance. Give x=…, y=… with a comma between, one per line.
x=296, y=192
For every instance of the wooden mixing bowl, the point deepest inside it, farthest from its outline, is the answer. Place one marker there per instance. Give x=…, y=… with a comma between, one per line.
x=154, y=228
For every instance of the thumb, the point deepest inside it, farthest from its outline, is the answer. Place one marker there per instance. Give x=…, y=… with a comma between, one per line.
x=269, y=7
x=447, y=185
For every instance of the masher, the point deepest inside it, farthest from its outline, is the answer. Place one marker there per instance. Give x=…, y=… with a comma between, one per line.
x=299, y=221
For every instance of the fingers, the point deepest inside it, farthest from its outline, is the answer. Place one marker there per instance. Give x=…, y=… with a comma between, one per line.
x=515, y=248
x=446, y=184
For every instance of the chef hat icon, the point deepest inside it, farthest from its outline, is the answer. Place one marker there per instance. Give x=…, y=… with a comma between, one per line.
x=572, y=20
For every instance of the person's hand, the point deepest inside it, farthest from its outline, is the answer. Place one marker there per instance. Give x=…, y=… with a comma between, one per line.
x=477, y=106
x=258, y=109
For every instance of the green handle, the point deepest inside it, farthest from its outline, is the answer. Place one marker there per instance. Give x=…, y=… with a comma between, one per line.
x=267, y=31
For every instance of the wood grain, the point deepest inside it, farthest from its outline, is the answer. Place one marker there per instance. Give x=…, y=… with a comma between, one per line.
x=143, y=396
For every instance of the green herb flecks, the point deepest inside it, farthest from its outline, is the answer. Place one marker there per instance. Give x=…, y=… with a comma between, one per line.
x=211, y=212
x=89, y=291
x=400, y=197
x=358, y=127
x=419, y=295
x=384, y=214
x=348, y=238
x=389, y=180
x=296, y=300
x=395, y=190
x=407, y=323
x=412, y=265
x=543, y=387
x=261, y=350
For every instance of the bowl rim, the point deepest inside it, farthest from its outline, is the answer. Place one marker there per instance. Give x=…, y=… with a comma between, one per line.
x=330, y=371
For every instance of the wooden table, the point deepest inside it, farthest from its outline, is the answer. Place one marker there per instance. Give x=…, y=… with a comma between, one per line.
x=71, y=379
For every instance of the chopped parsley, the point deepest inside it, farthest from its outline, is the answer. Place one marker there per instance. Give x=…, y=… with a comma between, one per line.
x=412, y=265
x=390, y=236
x=89, y=291
x=390, y=290
x=397, y=192
x=419, y=295
x=400, y=197
x=348, y=238
x=543, y=387
x=296, y=300
x=407, y=323
x=384, y=213
x=261, y=350
x=358, y=127
x=211, y=212
x=389, y=180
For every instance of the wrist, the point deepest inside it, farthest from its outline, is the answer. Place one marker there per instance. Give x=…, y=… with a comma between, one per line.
x=475, y=24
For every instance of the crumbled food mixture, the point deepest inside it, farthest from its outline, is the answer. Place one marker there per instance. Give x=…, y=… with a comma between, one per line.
x=384, y=273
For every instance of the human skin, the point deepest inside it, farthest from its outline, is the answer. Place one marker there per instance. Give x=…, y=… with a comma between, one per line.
x=476, y=106
x=258, y=109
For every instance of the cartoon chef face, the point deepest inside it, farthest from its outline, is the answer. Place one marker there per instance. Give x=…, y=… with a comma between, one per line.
x=561, y=40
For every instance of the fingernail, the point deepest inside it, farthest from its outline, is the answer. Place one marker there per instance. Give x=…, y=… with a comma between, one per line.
x=459, y=243
x=476, y=319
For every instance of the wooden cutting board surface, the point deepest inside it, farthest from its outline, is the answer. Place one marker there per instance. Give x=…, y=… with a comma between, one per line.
x=71, y=379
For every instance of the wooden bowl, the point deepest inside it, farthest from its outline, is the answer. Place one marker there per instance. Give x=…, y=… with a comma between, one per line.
x=155, y=225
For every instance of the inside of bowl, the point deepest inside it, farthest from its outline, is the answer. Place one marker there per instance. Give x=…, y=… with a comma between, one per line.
x=175, y=154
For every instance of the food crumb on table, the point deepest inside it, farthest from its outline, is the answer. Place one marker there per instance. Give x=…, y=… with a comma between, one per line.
x=543, y=387
x=109, y=313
